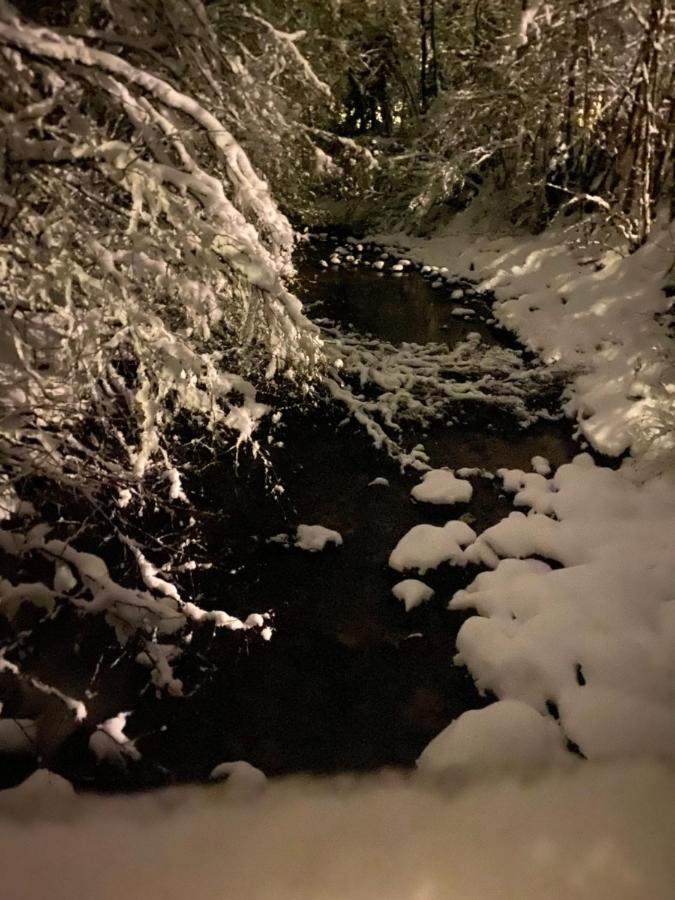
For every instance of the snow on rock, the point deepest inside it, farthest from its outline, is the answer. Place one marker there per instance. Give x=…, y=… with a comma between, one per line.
x=457, y=294
x=595, y=636
x=461, y=311
x=541, y=465
x=507, y=734
x=242, y=778
x=441, y=486
x=427, y=546
x=531, y=489
x=315, y=538
x=382, y=482
x=412, y=592
x=378, y=264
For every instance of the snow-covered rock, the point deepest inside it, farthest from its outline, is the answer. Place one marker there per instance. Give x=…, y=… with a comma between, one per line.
x=541, y=465
x=241, y=777
x=315, y=537
x=507, y=734
x=442, y=486
x=412, y=592
x=427, y=546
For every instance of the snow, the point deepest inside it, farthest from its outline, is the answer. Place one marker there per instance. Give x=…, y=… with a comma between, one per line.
x=427, y=546
x=315, y=537
x=241, y=777
x=110, y=744
x=412, y=593
x=159, y=658
x=600, y=320
x=541, y=465
x=441, y=486
x=382, y=482
x=596, y=635
x=507, y=735
x=461, y=311
x=591, y=832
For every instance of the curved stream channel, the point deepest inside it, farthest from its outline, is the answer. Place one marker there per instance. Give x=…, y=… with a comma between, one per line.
x=349, y=680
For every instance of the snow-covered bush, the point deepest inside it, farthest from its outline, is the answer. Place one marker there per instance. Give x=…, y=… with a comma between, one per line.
x=143, y=258
x=143, y=296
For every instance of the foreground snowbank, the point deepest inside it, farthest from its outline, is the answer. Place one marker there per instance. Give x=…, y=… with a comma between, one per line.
x=596, y=311
x=596, y=831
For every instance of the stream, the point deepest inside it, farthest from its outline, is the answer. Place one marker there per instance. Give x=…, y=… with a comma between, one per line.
x=349, y=680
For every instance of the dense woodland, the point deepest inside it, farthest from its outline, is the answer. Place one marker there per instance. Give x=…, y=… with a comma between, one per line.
x=156, y=154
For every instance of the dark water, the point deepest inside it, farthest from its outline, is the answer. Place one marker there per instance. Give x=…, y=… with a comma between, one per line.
x=349, y=680
x=395, y=307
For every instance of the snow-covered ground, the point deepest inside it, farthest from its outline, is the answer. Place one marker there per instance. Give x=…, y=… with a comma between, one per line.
x=596, y=831
x=591, y=309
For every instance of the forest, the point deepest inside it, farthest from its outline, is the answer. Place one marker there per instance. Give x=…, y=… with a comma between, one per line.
x=337, y=448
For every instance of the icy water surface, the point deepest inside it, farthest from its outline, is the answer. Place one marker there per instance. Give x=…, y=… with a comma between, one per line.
x=349, y=681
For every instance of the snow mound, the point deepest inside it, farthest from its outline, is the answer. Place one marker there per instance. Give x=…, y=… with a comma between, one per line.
x=41, y=797
x=427, y=546
x=315, y=537
x=242, y=778
x=441, y=486
x=412, y=592
x=594, y=634
x=507, y=734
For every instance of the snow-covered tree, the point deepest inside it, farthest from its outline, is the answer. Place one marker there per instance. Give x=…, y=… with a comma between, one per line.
x=143, y=293
x=143, y=256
